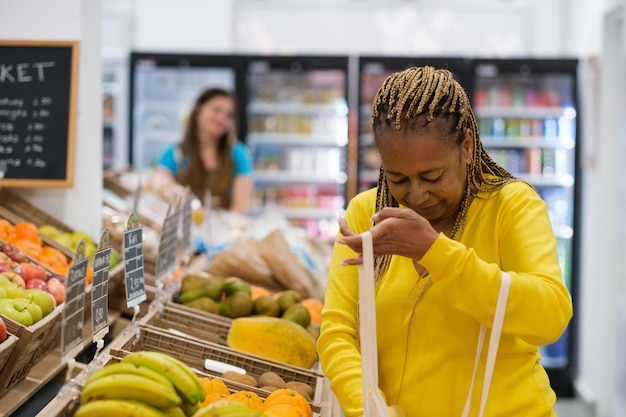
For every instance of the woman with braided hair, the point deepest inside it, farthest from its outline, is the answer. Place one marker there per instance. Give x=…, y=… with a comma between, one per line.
x=446, y=223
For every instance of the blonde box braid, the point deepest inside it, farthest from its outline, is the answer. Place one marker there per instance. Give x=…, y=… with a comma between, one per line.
x=434, y=93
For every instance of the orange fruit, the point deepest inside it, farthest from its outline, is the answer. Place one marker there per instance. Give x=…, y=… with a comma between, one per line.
x=214, y=386
x=7, y=231
x=213, y=397
x=315, y=309
x=27, y=246
x=249, y=398
x=28, y=231
x=286, y=396
x=284, y=410
x=257, y=291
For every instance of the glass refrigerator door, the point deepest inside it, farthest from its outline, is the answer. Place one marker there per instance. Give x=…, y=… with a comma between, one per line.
x=527, y=121
x=162, y=98
x=297, y=123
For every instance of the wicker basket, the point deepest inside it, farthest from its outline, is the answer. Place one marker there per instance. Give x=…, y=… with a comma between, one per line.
x=33, y=343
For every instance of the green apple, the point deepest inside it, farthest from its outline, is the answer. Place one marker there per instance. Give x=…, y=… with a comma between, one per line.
x=16, y=310
x=3, y=293
x=35, y=311
x=12, y=290
x=42, y=298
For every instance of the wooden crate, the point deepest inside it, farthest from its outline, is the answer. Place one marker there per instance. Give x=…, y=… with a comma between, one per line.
x=6, y=348
x=31, y=346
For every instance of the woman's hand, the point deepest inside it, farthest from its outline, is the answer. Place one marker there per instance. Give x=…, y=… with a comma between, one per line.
x=396, y=231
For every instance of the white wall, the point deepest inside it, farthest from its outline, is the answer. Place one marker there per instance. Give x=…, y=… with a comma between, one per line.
x=81, y=205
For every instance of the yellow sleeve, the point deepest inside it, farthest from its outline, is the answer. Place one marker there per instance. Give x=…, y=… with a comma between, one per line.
x=512, y=233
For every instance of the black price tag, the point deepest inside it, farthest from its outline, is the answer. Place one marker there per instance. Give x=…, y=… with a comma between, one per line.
x=100, y=288
x=186, y=227
x=133, y=262
x=166, y=258
x=73, y=312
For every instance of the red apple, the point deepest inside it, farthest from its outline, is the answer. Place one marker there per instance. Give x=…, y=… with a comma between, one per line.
x=3, y=331
x=31, y=270
x=36, y=283
x=57, y=289
x=59, y=277
x=15, y=278
x=5, y=267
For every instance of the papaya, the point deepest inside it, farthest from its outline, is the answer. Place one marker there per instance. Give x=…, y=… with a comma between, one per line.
x=273, y=338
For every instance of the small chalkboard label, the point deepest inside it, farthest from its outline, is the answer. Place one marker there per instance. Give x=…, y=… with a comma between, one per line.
x=186, y=228
x=37, y=112
x=133, y=262
x=166, y=257
x=99, y=287
x=72, y=321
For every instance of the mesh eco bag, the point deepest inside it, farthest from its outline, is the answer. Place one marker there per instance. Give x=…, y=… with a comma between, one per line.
x=373, y=402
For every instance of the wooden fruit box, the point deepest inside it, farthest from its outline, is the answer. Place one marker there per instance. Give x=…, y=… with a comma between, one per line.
x=6, y=348
x=16, y=209
x=31, y=346
x=197, y=323
x=193, y=352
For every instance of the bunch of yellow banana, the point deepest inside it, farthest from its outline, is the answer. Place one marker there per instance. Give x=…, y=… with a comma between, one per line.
x=228, y=408
x=142, y=384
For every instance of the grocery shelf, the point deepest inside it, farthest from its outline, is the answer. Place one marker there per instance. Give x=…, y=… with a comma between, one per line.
x=525, y=112
x=263, y=107
x=295, y=139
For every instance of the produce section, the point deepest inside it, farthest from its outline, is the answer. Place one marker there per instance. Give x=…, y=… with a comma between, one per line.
x=217, y=325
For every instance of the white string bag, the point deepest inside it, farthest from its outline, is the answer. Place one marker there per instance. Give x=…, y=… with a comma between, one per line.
x=373, y=402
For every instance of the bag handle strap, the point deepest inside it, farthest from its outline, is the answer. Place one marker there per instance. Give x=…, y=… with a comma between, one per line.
x=492, y=350
x=373, y=401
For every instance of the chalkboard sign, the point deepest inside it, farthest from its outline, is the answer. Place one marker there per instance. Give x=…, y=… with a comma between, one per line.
x=37, y=113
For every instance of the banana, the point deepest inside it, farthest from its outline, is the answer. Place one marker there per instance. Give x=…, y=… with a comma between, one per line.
x=179, y=374
x=131, y=387
x=228, y=408
x=174, y=412
x=117, y=408
x=129, y=368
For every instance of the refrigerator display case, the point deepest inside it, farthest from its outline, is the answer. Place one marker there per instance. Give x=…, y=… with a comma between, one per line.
x=527, y=113
x=297, y=130
x=163, y=89
x=372, y=72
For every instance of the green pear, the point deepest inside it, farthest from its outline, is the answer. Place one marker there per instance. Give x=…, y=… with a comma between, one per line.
x=203, y=303
x=266, y=305
x=235, y=305
x=287, y=298
x=211, y=289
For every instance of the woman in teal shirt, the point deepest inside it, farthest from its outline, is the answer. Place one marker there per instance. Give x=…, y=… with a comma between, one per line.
x=210, y=158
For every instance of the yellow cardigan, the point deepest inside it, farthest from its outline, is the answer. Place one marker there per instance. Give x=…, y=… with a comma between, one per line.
x=425, y=363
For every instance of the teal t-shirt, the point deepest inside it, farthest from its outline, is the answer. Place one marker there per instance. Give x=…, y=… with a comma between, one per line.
x=173, y=162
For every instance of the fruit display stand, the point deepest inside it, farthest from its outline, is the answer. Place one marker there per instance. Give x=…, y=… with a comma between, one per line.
x=194, y=352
